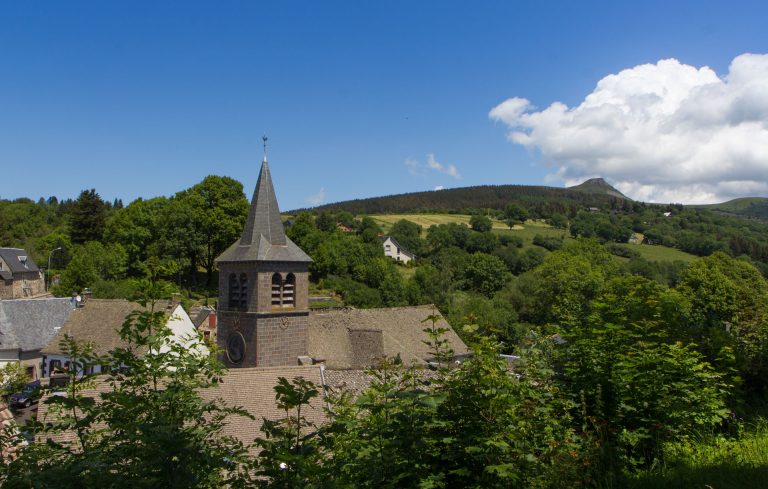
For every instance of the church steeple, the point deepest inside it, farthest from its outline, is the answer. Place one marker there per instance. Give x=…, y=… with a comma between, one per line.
x=263, y=236
x=263, y=288
x=264, y=216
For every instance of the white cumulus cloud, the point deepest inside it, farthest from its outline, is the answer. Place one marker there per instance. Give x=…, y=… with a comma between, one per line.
x=417, y=168
x=439, y=187
x=664, y=132
x=316, y=199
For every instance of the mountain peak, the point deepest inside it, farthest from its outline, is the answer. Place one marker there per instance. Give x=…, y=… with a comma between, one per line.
x=598, y=186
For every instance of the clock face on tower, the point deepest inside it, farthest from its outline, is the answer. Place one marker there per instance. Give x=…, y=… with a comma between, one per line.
x=235, y=347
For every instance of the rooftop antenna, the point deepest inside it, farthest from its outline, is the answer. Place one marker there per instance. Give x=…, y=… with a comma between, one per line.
x=265, y=138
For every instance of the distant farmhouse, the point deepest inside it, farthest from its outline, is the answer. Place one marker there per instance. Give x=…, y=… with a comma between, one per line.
x=393, y=250
x=19, y=275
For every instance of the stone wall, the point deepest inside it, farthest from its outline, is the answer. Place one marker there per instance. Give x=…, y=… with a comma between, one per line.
x=282, y=339
x=24, y=284
x=270, y=340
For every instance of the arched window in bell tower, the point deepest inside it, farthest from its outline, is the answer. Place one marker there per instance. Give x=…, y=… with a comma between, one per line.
x=289, y=291
x=277, y=290
x=243, y=291
x=234, y=292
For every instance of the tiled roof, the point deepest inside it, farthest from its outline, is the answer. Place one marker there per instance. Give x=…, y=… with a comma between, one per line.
x=97, y=322
x=29, y=324
x=11, y=257
x=355, y=381
x=249, y=388
x=201, y=316
x=253, y=390
x=402, y=331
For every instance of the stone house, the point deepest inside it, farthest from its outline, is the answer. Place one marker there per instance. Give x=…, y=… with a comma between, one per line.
x=19, y=275
x=205, y=322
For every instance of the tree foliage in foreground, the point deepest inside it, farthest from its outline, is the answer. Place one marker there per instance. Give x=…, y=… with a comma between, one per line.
x=142, y=425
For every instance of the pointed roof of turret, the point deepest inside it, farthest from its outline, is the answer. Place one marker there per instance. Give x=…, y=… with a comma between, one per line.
x=264, y=216
x=264, y=236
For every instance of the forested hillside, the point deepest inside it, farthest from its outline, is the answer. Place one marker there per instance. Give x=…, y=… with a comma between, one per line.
x=537, y=199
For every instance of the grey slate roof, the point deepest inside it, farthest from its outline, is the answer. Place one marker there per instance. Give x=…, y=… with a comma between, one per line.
x=11, y=257
x=29, y=324
x=264, y=237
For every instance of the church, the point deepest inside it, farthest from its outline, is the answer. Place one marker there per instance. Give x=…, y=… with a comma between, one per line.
x=264, y=315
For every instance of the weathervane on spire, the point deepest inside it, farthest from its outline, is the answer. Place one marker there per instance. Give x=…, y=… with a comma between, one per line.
x=265, y=138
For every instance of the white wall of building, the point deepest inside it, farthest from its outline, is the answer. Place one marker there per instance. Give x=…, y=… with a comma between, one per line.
x=392, y=250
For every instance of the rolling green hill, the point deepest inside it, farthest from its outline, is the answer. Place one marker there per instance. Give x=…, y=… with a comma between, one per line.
x=755, y=207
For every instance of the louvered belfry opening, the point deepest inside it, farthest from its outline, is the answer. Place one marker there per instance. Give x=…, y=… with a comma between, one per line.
x=289, y=291
x=234, y=292
x=277, y=290
x=243, y=291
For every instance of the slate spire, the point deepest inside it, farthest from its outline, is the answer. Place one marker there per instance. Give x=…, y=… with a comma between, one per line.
x=264, y=236
x=264, y=215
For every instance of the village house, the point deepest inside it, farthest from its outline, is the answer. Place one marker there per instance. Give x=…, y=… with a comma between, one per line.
x=26, y=327
x=393, y=250
x=98, y=322
x=205, y=322
x=19, y=275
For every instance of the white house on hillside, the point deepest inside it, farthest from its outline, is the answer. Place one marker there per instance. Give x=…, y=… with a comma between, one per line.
x=393, y=250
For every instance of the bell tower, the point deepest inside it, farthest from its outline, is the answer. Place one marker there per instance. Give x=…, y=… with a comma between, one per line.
x=263, y=289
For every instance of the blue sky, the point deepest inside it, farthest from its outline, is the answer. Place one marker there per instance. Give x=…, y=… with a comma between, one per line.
x=359, y=99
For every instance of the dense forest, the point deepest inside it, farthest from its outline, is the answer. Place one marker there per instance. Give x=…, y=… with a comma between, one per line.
x=621, y=360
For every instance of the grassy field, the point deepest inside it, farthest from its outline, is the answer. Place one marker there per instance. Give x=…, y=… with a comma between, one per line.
x=660, y=253
x=425, y=220
x=526, y=232
x=531, y=229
